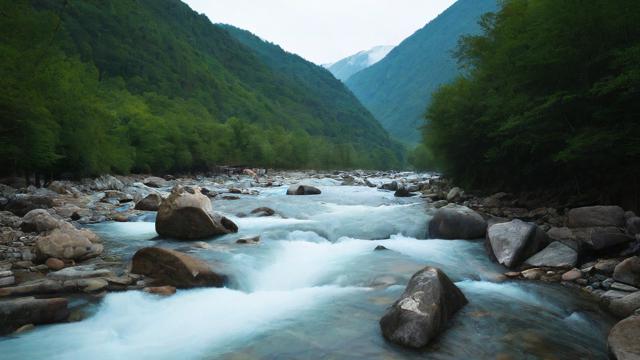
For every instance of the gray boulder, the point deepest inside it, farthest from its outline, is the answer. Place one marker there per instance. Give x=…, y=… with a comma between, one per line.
x=633, y=225
x=150, y=203
x=514, y=241
x=455, y=194
x=590, y=216
x=628, y=271
x=457, y=222
x=565, y=236
x=107, y=182
x=303, y=190
x=39, y=220
x=555, y=255
x=423, y=310
x=599, y=238
x=625, y=306
x=623, y=339
x=155, y=182
x=15, y=313
x=21, y=204
x=187, y=214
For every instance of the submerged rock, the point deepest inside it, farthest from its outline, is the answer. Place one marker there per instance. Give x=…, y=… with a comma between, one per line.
x=263, y=211
x=16, y=313
x=514, y=241
x=170, y=267
x=457, y=222
x=303, y=190
x=423, y=310
x=249, y=240
x=160, y=290
x=623, y=339
x=187, y=214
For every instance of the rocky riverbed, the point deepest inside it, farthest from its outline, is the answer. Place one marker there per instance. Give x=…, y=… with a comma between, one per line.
x=88, y=254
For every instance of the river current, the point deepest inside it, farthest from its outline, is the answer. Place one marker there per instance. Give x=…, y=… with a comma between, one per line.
x=314, y=288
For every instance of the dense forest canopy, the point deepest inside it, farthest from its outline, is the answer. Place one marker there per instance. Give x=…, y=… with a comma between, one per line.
x=398, y=89
x=550, y=98
x=150, y=86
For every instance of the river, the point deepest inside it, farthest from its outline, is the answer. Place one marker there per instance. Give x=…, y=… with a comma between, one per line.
x=315, y=288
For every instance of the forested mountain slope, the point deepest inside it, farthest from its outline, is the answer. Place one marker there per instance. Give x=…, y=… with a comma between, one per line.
x=397, y=90
x=551, y=101
x=150, y=85
x=316, y=88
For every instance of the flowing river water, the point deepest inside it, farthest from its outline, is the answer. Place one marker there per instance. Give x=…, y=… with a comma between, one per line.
x=315, y=288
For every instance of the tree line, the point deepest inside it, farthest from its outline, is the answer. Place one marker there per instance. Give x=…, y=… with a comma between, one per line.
x=112, y=87
x=549, y=98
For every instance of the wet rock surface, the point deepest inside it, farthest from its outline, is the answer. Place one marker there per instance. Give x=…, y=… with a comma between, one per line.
x=424, y=309
x=170, y=267
x=457, y=222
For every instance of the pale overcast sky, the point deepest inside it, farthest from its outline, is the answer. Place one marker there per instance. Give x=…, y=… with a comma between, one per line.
x=324, y=31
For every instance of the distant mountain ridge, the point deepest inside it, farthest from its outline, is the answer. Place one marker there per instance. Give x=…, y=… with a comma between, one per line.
x=397, y=90
x=348, y=66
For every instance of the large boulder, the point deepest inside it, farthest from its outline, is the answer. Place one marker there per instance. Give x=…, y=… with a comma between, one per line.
x=623, y=339
x=599, y=238
x=187, y=214
x=514, y=241
x=39, y=220
x=556, y=254
x=626, y=305
x=150, y=203
x=423, y=310
x=15, y=313
x=590, y=216
x=170, y=267
x=457, y=222
x=68, y=243
x=628, y=271
x=303, y=190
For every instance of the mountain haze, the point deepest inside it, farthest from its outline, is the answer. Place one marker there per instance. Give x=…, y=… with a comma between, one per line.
x=348, y=66
x=397, y=90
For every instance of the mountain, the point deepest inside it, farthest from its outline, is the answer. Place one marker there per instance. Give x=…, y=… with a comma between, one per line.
x=348, y=66
x=152, y=86
x=314, y=86
x=397, y=90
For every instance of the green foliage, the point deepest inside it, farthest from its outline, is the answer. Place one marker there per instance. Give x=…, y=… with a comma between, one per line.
x=398, y=89
x=552, y=98
x=150, y=86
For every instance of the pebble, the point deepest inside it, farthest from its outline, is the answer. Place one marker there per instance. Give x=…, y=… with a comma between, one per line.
x=572, y=275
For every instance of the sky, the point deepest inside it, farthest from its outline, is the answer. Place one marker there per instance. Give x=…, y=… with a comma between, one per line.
x=325, y=31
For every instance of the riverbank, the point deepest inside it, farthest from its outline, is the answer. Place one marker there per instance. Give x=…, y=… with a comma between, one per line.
x=106, y=269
